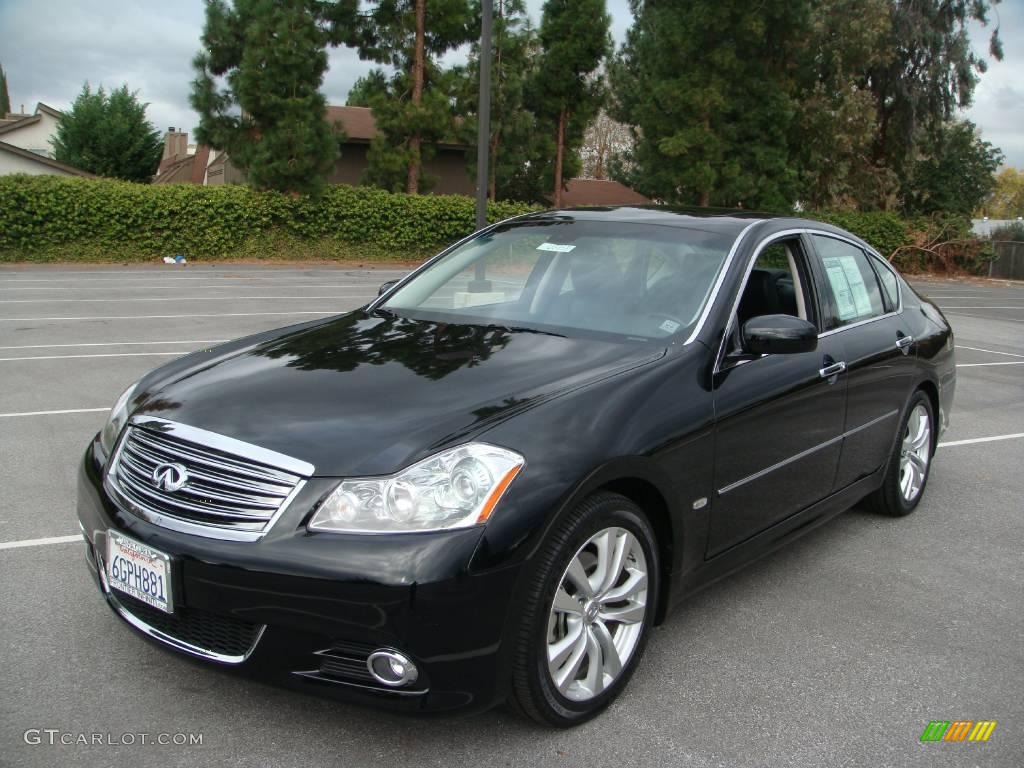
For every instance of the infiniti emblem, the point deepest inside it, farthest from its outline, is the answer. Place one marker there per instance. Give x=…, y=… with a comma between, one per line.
x=170, y=476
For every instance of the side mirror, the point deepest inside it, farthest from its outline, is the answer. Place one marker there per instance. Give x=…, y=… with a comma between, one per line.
x=779, y=335
x=386, y=287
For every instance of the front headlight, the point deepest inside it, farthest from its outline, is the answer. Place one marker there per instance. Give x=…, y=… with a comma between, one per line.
x=456, y=488
x=116, y=420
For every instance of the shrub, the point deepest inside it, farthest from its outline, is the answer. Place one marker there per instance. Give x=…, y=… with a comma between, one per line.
x=46, y=218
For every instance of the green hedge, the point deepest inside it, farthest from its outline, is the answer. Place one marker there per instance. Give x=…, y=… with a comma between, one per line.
x=51, y=218
x=45, y=218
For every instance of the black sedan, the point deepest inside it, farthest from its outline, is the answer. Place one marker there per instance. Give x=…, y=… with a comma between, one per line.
x=491, y=482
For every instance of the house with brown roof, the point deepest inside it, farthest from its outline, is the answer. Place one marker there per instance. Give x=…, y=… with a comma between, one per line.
x=190, y=164
x=33, y=132
x=596, y=192
x=181, y=162
x=25, y=144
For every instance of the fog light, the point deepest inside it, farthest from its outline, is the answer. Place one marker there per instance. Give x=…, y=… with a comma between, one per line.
x=391, y=668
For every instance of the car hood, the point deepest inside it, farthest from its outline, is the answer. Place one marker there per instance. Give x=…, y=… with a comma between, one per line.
x=368, y=395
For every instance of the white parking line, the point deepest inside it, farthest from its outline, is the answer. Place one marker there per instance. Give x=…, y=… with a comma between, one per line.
x=180, y=298
x=166, y=317
x=981, y=440
x=40, y=542
x=990, y=351
x=117, y=344
x=110, y=354
x=53, y=413
x=981, y=365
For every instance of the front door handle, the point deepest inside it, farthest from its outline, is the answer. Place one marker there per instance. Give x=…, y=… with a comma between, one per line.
x=903, y=344
x=832, y=370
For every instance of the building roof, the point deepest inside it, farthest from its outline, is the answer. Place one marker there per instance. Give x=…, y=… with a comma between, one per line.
x=357, y=122
x=14, y=122
x=22, y=122
x=177, y=171
x=361, y=128
x=583, y=192
x=11, y=149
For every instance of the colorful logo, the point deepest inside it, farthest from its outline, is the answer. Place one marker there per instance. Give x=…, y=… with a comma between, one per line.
x=958, y=730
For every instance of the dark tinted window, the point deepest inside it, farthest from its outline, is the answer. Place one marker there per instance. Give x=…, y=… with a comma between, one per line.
x=890, y=285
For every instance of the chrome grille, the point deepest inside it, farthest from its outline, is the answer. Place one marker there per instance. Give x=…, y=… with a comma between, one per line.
x=233, y=489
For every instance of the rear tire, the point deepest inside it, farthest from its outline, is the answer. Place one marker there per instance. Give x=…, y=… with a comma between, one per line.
x=587, y=613
x=909, y=464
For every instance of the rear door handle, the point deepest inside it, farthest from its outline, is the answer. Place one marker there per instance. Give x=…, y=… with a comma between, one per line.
x=832, y=370
x=903, y=343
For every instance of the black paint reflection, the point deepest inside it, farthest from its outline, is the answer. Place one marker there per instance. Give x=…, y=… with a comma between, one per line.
x=429, y=349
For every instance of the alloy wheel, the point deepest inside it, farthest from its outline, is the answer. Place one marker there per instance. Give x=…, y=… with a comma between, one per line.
x=915, y=453
x=597, y=614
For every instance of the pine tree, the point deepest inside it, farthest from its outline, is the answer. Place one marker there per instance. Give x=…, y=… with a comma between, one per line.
x=108, y=135
x=567, y=91
x=367, y=88
x=5, y=96
x=710, y=88
x=270, y=115
x=930, y=72
x=410, y=35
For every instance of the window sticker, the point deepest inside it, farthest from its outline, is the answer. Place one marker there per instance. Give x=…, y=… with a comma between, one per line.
x=556, y=247
x=669, y=326
x=852, y=300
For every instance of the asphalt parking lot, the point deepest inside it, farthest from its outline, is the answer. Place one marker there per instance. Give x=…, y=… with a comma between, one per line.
x=834, y=652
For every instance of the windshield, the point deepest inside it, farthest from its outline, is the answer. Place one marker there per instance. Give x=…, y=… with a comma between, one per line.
x=640, y=281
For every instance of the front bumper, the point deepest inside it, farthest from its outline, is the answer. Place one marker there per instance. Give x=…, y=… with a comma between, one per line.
x=305, y=610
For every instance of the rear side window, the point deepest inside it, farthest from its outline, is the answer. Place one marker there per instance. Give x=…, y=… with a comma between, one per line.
x=856, y=293
x=890, y=285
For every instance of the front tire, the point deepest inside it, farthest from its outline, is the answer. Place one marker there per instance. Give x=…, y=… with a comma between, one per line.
x=906, y=473
x=587, y=612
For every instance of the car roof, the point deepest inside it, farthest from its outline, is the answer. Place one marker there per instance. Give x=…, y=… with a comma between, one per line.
x=726, y=221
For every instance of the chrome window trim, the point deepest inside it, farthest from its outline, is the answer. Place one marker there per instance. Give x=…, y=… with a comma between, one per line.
x=743, y=284
x=868, y=253
x=859, y=323
x=709, y=303
x=213, y=440
x=803, y=454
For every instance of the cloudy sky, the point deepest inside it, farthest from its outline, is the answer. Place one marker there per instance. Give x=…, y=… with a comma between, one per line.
x=50, y=47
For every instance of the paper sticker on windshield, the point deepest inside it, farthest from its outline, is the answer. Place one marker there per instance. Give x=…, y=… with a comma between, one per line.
x=669, y=326
x=556, y=247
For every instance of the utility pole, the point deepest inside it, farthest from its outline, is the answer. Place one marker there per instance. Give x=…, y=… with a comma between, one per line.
x=483, y=138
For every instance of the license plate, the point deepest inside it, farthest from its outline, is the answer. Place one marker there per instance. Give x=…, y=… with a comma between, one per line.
x=140, y=571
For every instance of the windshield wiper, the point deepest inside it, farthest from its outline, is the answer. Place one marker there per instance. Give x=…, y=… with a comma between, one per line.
x=521, y=329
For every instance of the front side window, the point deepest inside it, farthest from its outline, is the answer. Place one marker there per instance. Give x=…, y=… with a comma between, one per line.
x=855, y=292
x=637, y=281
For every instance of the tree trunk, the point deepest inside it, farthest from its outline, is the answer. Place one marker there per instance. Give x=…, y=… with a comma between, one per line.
x=559, y=154
x=412, y=184
x=705, y=198
x=492, y=173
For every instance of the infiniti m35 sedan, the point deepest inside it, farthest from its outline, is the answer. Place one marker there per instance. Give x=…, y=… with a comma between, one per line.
x=490, y=483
